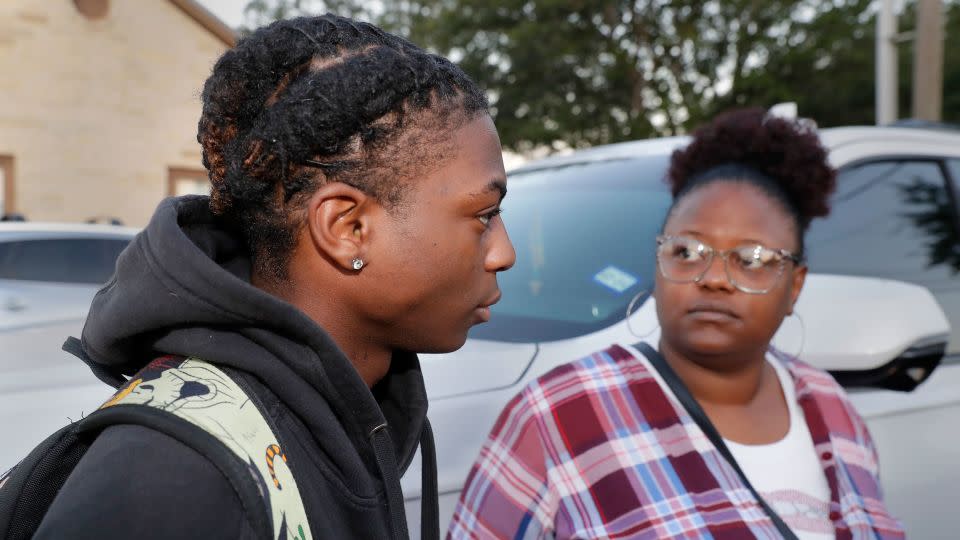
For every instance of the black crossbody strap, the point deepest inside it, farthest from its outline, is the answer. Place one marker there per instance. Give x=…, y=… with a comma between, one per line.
x=700, y=417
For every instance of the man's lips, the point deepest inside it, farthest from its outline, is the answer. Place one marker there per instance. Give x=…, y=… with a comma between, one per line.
x=483, y=310
x=493, y=300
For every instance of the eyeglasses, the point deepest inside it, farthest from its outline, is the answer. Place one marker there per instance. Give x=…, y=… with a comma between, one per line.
x=751, y=268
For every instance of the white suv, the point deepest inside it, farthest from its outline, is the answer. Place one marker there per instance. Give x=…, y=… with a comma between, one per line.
x=584, y=227
x=50, y=271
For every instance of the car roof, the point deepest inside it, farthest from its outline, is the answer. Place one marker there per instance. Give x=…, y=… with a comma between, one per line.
x=607, y=152
x=20, y=229
x=832, y=138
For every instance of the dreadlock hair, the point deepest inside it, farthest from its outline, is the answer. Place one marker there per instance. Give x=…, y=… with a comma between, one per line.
x=311, y=100
x=782, y=157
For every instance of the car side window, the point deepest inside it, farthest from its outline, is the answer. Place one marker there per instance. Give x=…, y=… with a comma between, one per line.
x=61, y=260
x=953, y=166
x=894, y=220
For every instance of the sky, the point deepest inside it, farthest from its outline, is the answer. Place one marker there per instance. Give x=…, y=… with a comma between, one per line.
x=229, y=11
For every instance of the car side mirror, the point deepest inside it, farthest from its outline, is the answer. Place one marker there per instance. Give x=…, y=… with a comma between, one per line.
x=867, y=332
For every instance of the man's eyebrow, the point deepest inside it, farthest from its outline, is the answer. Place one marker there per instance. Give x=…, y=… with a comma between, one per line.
x=495, y=185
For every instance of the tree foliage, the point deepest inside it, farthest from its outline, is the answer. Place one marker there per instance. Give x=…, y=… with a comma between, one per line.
x=597, y=71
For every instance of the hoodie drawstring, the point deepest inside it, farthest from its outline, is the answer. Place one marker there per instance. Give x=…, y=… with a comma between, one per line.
x=429, y=503
x=387, y=463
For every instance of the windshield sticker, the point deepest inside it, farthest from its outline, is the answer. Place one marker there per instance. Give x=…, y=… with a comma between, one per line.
x=615, y=279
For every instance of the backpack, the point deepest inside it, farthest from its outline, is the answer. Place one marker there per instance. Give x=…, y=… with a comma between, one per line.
x=192, y=401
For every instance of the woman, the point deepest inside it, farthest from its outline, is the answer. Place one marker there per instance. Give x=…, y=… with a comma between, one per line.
x=606, y=447
x=356, y=184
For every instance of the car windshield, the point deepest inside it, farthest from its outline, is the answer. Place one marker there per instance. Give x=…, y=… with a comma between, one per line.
x=584, y=236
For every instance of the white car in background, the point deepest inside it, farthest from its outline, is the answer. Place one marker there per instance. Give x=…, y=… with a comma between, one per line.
x=50, y=271
x=584, y=225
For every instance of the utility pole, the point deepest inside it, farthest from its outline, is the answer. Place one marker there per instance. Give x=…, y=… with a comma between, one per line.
x=928, y=61
x=886, y=55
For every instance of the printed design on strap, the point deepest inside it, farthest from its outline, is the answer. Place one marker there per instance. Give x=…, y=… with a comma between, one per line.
x=272, y=452
x=205, y=396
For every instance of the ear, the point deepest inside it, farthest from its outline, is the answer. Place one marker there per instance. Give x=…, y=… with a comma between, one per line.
x=799, y=276
x=338, y=221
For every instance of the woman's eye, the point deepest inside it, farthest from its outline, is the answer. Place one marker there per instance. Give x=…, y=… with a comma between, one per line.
x=755, y=258
x=488, y=217
x=686, y=253
x=749, y=262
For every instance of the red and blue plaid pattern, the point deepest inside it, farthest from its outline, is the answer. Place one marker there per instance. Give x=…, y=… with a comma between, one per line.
x=596, y=449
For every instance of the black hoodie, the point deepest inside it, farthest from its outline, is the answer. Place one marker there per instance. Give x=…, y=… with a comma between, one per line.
x=182, y=287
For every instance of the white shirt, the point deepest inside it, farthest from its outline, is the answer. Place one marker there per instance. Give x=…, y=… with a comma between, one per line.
x=786, y=473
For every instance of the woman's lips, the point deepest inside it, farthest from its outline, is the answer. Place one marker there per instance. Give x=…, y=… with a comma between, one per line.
x=709, y=312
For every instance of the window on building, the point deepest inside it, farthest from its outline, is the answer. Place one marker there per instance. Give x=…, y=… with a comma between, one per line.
x=183, y=181
x=6, y=185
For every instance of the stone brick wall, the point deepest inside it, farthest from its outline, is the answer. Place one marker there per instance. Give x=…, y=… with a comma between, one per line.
x=95, y=113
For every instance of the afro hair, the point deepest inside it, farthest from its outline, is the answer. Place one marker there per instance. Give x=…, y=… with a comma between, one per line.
x=786, y=153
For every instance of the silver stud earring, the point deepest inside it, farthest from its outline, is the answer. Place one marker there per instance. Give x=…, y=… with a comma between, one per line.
x=357, y=263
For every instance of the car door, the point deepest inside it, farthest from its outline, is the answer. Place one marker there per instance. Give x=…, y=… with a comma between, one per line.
x=46, y=285
x=896, y=217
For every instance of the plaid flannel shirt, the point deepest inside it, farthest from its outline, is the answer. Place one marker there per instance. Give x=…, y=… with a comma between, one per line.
x=596, y=449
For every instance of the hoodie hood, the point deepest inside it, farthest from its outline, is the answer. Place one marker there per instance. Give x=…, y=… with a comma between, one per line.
x=183, y=287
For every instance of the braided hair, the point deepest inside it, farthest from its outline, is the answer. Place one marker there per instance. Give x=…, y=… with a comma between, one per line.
x=782, y=157
x=311, y=100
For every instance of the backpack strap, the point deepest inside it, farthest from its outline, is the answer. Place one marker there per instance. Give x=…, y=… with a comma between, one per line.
x=28, y=489
x=219, y=414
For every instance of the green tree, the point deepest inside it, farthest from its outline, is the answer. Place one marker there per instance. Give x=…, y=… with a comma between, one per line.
x=825, y=64
x=596, y=71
